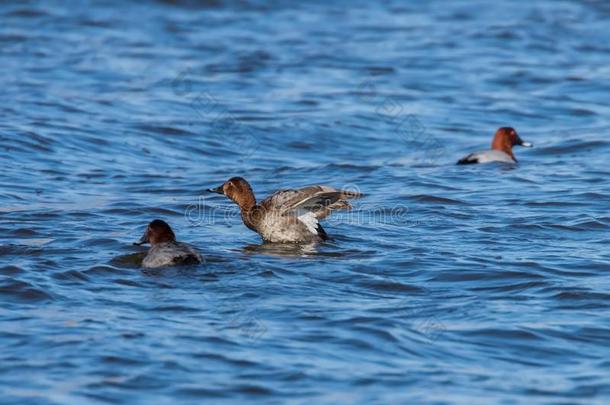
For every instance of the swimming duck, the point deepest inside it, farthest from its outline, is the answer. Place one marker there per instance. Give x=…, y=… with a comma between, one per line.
x=287, y=216
x=501, y=148
x=165, y=251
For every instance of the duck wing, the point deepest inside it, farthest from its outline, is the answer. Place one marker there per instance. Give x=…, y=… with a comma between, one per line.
x=316, y=200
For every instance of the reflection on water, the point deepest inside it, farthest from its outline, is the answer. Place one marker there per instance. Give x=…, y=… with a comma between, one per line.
x=331, y=248
x=282, y=249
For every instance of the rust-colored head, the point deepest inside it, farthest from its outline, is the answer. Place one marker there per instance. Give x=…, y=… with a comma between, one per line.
x=158, y=231
x=506, y=138
x=238, y=190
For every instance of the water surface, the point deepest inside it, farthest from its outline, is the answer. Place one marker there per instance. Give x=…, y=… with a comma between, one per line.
x=446, y=284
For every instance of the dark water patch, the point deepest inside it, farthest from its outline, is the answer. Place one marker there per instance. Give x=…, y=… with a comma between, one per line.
x=99, y=242
x=122, y=361
x=105, y=126
x=23, y=232
x=10, y=270
x=488, y=275
x=565, y=204
x=574, y=146
x=222, y=359
x=28, y=13
x=430, y=199
x=579, y=296
x=164, y=130
x=388, y=286
x=22, y=291
x=20, y=250
x=515, y=287
x=127, y=283
x=71, y=275
x=103, y=270
x=255, y=390
x=199, y=392
x=174, y=309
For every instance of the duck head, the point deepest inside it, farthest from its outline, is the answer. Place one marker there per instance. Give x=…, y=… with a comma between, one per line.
x=157, y=231
x=238, y=190
x=506, y=138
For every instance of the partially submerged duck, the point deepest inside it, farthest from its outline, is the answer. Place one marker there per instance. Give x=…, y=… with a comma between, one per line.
x=165, y=250
x=501, y=148
x=287, y=216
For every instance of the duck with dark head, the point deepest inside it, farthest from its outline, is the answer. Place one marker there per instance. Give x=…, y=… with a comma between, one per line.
x=165, y=250
x=501, y=148
x=287, y=216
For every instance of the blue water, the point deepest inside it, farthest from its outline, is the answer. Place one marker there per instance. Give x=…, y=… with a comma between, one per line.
x=446, y=284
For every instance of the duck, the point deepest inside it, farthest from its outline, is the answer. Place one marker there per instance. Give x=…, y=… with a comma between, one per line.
x=165, y=250
x=501, y=148
x=287, y=216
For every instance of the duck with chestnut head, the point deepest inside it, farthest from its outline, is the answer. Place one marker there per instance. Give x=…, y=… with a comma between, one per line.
x=287, y=216
x=165, y=250
x=501, y=148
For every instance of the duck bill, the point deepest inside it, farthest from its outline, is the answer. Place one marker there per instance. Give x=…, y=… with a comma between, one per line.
x=217, y=190
x=143, y=239
x=526, y=144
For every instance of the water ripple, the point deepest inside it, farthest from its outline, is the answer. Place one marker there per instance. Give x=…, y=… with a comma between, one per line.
x=444, y=283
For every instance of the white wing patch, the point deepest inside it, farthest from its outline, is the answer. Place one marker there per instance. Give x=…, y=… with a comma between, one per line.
x=310, y=221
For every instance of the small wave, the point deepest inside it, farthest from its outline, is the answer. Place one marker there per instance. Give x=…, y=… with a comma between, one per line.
x=71, y=275
x=436, y=199
x=10, y=270
x=573, y=146
x=23, y=291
